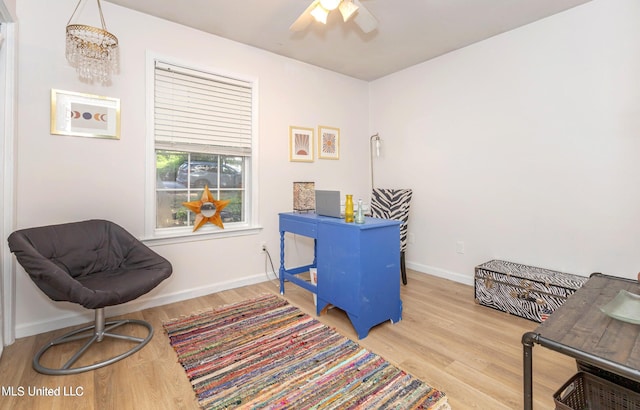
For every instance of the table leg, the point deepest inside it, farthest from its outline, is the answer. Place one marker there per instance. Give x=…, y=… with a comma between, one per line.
x=315, y=252
x=527, y=368
x=281, y=262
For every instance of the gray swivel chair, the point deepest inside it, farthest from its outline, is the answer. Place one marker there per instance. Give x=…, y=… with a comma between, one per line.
x=394, y=204
x=93, y=263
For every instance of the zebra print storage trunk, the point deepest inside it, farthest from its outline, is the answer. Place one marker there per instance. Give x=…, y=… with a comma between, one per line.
x=526, y=291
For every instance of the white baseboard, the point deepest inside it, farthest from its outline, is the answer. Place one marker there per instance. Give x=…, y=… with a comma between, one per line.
x=441, y=273
x=81, y=317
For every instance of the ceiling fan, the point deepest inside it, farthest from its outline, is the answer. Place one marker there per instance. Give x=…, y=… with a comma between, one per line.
x=319, y=10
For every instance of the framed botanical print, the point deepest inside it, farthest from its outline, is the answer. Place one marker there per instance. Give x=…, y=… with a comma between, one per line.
x=328, y=142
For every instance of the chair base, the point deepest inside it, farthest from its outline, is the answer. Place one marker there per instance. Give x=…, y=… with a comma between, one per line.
x=94, y=333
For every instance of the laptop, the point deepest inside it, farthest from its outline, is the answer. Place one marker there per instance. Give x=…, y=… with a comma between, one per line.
x=328, y=203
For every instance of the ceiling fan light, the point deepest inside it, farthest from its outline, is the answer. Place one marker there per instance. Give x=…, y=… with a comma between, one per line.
x=330, y=4
x=347, y=8
x=320, y=14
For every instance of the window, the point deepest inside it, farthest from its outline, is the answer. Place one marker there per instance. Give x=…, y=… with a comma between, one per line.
x=203, y=136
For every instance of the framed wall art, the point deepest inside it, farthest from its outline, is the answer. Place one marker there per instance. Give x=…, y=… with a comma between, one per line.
x=300, y=144
x=328, y=142
x=84, y=115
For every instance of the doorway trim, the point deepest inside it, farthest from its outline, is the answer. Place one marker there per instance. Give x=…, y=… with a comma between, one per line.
x=8, y=100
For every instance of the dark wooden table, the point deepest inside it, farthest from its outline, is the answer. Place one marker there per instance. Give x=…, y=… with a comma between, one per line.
x=579, y=329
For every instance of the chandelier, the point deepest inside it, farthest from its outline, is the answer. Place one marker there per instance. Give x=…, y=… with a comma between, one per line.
x=91, y=50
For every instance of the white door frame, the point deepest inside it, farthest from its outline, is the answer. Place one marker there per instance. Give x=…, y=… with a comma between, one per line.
x=8, y=100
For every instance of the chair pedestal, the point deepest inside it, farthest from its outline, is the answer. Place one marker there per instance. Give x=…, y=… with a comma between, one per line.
x=94, y=333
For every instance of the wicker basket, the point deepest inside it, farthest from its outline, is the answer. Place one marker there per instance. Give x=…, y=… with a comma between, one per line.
x=612, y=377
x=585, y=391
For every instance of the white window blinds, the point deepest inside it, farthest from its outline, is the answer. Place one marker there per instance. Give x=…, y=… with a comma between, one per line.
x=198, y=111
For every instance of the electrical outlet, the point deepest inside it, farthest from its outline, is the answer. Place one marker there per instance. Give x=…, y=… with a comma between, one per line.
x=263, y=247
x=411, y=238
x=460, y=247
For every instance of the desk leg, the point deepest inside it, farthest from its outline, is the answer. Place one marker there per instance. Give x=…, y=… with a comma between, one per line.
x=315, y=252
x=281, y=262
x=527, y=368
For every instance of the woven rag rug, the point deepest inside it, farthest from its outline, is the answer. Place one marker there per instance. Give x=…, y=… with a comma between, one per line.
x=264, y=353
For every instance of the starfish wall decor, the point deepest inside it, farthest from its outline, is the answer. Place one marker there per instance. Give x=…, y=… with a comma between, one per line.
x=207, y=209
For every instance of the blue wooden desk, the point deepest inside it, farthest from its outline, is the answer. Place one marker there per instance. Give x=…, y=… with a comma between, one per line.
x=358, y=266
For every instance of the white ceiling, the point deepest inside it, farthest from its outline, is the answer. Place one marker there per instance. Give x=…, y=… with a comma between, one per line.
x=409, y=31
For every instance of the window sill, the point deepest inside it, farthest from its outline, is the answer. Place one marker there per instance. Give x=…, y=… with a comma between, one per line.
x=188, y=236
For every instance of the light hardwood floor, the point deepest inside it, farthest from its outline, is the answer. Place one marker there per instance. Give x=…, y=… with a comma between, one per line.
x=471, y=352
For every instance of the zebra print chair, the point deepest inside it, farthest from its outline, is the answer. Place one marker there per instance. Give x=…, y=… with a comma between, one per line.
x=394, y=204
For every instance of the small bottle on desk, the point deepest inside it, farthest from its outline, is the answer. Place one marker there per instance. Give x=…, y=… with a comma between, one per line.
x=360, y=213
x=348, y=209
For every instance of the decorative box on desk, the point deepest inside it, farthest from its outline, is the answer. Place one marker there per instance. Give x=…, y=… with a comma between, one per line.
x=526, y=291
x=358, y=266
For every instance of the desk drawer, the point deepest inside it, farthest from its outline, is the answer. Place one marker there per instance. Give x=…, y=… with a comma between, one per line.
x=309, y=229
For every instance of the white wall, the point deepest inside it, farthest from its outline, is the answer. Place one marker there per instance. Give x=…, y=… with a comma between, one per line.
x=62, y=179
x=525, y=146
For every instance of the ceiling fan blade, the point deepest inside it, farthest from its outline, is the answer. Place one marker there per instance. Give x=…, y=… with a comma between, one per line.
x=305, y=18
x=364, y=19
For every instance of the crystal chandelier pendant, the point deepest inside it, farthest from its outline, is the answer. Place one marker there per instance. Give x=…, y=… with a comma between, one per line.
x=92, y=51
